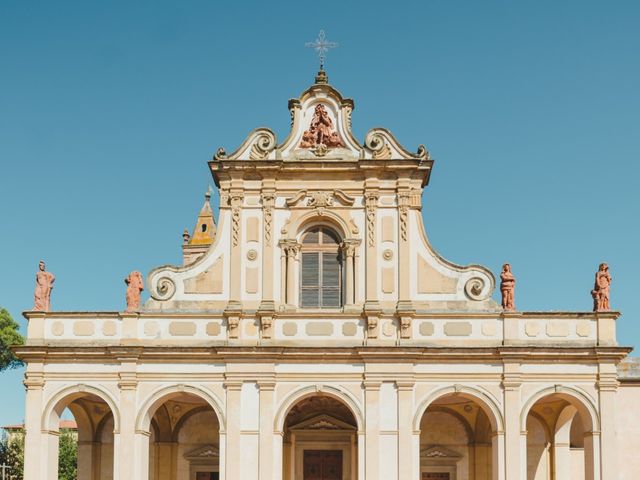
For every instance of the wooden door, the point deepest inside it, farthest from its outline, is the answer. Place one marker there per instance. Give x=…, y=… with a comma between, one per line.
x=322, y=465
x=207, y=476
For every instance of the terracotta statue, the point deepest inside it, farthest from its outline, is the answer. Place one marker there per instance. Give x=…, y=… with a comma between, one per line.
x=135, y=285
x=321, y=131
x=507, y=287
x=44, y=285
x=600, y=292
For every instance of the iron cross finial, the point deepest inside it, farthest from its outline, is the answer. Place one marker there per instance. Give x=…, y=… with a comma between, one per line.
x=321, y=46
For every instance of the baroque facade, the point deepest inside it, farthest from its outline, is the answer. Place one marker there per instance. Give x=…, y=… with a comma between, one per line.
x=313, y=333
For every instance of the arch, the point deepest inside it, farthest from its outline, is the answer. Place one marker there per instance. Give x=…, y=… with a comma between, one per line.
x=328, y=218
x=463, y=421
x=143, y=420
x=337, y=393
x=577, y=398
x=57, y=398
x=486, y=402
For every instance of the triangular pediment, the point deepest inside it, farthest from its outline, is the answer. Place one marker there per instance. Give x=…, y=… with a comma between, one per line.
x=203, y=453
x=322, y=422
x=438, y=452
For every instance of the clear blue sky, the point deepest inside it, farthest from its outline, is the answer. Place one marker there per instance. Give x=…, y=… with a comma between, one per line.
x=109, y=112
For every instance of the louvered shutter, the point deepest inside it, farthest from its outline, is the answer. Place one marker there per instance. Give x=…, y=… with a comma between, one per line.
x=330, y=279
x=310, y=294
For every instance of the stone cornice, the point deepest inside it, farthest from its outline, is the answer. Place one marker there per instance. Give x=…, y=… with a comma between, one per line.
x=369, y=354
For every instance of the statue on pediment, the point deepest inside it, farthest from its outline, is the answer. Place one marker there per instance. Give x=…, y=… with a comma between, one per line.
x=507, y=287
x=321, y=131
x=44, y=285
x=135, y=286
x=600, y=292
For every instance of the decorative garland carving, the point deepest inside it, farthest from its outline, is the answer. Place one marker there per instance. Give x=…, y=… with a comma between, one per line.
x=371, y=204
x=268, y=202
x=320, y=198
x=235, y=201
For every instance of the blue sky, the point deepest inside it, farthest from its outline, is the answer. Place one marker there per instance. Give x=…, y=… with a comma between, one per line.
x=109, y=113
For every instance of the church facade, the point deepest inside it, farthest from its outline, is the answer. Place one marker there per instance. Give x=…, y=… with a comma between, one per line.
x=313, y=333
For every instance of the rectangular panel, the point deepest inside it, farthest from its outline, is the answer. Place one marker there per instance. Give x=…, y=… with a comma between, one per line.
x=249, y=406
x=388, y=407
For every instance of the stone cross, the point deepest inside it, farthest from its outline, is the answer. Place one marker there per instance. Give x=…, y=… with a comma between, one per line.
x=321, y=46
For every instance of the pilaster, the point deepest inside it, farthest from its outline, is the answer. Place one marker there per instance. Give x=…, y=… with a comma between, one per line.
x=266, y=437
x=514, y=439
x=35, y=447
x=405, y=430
x=372, y=428
x=131, y=446
x=233, y=432
x=607, y=387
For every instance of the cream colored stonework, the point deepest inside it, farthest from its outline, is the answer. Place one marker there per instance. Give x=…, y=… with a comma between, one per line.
x=418, y=371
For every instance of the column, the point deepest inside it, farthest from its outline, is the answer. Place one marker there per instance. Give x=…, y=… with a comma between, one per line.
x=515, y=461
x=607, y=387
x=372, y=428
x=232, y=449
x=266, y=438
x=405, y=431
x=35, y=445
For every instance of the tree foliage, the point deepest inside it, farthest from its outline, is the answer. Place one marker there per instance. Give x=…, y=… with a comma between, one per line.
x=12, y=455
x=9, y=335
x=68, y=460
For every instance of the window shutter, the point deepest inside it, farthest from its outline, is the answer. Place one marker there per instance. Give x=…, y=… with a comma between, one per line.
x=310, y=279
x=330, y=279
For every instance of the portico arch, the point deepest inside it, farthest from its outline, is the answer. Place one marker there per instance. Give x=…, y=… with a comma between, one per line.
x=92, y=408
x=161, y=395
x=459, y=433
x=559, y=410
x=488, y=404
x=338, y=393
x=319, y=423
x=180, y=434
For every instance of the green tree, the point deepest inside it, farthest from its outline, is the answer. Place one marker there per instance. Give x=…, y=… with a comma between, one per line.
x=68, y=460
x=9, y=335
x=12, y=455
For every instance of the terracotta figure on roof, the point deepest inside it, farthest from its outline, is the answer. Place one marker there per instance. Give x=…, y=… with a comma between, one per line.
x=507, y=287
x=135, y=286
x=600, y=292
x=44, y=285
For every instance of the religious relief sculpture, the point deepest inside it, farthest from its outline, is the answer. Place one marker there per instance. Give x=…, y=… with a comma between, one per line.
x=321, y=131
x=44, y=285
x=135, y=285
x=507, y=288
x=600, y=292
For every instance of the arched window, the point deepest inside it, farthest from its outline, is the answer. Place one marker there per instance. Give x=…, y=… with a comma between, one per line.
x=321, y=275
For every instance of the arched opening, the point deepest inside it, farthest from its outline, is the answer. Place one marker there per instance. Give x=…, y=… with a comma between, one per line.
x=320, y=440
x=184, y=440
x=321, y=269
x=560, y=441
x=85, y=452
x=457, y=439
